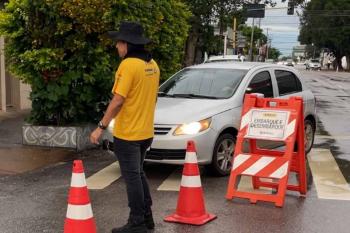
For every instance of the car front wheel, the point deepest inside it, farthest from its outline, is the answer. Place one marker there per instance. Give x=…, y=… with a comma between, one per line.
x=309, y=130
x=221, y=164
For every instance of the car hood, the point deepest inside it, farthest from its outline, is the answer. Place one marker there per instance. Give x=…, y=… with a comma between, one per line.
x=183, y=110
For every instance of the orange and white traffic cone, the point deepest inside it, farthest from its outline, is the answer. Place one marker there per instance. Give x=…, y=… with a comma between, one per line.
x=79, y=218
x=190, y=205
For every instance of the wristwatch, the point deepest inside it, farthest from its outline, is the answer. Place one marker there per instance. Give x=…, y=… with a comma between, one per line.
x=101, y=126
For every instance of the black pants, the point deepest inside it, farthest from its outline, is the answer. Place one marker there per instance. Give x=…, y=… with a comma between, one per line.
x=131, y=155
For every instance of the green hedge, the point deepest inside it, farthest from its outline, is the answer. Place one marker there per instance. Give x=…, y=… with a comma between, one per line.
x=60, y=48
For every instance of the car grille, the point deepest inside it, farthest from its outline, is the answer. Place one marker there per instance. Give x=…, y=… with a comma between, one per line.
x=161, y=130
x=159, y=154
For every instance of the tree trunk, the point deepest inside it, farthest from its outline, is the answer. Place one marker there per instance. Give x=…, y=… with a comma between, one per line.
x=338, y=65
x=199, y=56
x=191, y=46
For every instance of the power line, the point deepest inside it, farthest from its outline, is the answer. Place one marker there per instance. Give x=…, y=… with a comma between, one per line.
x=279, y=23
x=328, y=15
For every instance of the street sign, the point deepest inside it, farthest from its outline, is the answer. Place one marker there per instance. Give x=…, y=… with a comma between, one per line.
x=254, y=10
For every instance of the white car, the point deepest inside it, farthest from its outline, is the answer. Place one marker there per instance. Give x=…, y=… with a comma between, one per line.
x=314, y=64
x=203, y=103
x=225, y=58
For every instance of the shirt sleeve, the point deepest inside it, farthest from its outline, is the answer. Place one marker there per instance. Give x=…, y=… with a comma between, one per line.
x=123, y=80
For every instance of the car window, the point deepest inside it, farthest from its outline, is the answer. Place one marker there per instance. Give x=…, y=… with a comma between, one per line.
x=287, y=82
x=210, y=82
x=261, y=83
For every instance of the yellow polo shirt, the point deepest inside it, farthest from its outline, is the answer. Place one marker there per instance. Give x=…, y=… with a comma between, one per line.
x=137, y=81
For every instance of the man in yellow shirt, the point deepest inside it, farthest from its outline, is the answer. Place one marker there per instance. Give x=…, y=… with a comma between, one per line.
x=133, y=105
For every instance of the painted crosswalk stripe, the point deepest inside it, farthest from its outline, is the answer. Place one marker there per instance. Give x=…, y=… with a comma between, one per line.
x=245, y=185
x=339, y=137
x=328, y=179
x=104, y=177
x=172, y=183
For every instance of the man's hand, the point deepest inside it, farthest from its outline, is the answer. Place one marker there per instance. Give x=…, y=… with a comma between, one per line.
x=95, y=136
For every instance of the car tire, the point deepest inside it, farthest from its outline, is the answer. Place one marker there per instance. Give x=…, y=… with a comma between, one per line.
x=221, y=164
x=309, y=134
x=309, y=131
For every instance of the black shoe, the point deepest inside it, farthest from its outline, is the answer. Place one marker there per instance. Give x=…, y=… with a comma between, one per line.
x=149, y=221
x=131, y=228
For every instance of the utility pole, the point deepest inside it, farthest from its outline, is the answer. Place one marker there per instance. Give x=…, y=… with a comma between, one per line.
x=234, y=36
x=251, y=42
x=225, y=44
x=267, y=43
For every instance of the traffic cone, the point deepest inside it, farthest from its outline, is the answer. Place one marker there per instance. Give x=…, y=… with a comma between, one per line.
x=190, y=204
x=79, y=218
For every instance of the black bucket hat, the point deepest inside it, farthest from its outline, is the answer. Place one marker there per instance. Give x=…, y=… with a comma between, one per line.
x=130, y=32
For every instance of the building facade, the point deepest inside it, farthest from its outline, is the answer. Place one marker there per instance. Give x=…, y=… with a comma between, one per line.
x=14, y=94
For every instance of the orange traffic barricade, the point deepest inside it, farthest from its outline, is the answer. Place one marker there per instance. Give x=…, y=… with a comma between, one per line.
x=269, y=119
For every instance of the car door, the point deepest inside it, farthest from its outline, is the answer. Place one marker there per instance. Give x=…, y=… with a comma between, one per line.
x=288, y=84
x=262, y=83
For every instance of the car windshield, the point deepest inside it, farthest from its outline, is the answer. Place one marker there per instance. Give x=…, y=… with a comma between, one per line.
x=211, y=83
x=315, y=61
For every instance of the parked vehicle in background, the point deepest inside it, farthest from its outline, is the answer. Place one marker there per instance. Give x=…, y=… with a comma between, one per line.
x=203, y=103
x=289, y=63
x=313, y=64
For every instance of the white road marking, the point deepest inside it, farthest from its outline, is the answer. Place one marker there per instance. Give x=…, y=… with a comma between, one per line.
x=329, y=181
x=172, y=183
x=104, y=177
x=245, y=185
x=339, y=137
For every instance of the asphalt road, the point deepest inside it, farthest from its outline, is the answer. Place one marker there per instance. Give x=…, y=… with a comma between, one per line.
x=36, y=201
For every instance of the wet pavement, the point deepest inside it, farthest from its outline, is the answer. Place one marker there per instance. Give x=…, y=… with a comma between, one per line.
x=36, y=201
x=332, y=91
x=16, y=158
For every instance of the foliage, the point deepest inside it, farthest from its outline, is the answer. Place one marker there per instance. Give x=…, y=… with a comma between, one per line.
x=274, y=53
x=325, y=24
x=165, y=22
x=207, y=14
x=258, y=36
x=60, y=48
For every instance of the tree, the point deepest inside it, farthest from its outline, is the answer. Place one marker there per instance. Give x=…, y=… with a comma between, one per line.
x=274, y=53
x=259, y=36
x=206, y=14
x=61, y=49
x=325, y=24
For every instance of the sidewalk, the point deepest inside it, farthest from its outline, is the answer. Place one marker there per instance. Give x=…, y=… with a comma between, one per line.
x=17, y=158
x=11, y=127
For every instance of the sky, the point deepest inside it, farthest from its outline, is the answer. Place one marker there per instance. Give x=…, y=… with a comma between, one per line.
x=283, y=29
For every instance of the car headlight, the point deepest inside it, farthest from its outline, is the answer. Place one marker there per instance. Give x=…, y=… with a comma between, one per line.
x=193, y=127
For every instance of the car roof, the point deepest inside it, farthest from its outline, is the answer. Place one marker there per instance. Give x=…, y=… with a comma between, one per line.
x=222, y=57
x=235, y=65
